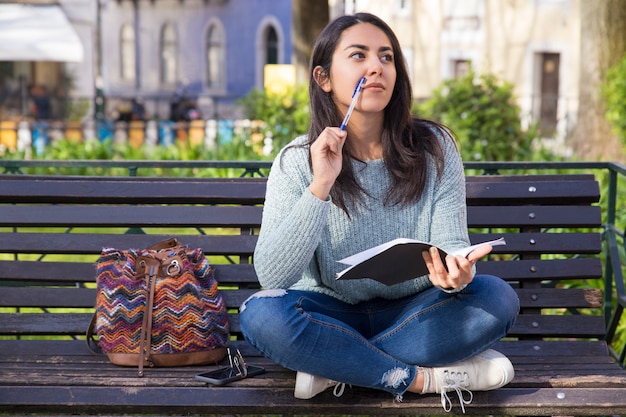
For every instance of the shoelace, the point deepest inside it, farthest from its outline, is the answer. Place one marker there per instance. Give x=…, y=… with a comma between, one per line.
x=339, y=389
x=458, y=382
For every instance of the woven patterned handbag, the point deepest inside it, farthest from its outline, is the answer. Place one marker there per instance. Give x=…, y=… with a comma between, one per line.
x=158, y=307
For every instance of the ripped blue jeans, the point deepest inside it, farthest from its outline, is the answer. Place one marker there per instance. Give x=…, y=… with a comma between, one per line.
x=379, y=343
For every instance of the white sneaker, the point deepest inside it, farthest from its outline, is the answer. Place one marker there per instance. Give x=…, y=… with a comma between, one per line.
x=308, y=386
x=486, y=371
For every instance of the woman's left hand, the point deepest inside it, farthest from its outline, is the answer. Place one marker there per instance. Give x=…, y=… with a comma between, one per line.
x=459, y=272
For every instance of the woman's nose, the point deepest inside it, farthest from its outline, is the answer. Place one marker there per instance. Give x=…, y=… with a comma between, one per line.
x=374, y=66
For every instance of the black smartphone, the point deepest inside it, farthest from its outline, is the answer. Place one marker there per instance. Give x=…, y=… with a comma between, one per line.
x=225, y=375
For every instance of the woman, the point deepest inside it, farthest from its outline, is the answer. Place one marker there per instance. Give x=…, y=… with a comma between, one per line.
x=333, y=193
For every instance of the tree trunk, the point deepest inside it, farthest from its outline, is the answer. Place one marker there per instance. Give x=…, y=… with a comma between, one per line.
x=309, y=18
x=603, y=43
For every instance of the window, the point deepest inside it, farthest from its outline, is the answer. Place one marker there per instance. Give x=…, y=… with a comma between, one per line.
x=549, y=92
x=271, y=46
x=463, y=22
x=128, y=53
x=168, y=55
x=215, y=57
x=461, y=68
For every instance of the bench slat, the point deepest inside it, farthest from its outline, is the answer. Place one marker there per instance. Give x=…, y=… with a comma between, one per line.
x=526, y=243
x=590, y=375
x=531, y=178
x=138, y=190
x=534, y=216
x=549, y=189
x=73, y=272
x=563, y=298
x=544, y=243
x=547, y=269
x=76, y=324
x=535, y=325
x=537, y=349
x=250, y=216
x=258, y=399
x=85, y=297
x=504, y=191
x=558, y=326
x=130, y=216
x=82, y=297
x=495, y=189
x=530, y=350
x=83, y=243
x=44, y=323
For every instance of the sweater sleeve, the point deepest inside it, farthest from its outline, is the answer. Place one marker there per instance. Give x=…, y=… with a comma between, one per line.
x=449, y=210
x=293, y=221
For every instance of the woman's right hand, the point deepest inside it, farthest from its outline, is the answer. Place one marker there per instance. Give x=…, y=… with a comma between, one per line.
x=326, y=158
x=458, y=271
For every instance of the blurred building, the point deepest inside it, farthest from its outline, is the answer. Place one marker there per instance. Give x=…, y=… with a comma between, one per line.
x=125, y=59
x=142, y=58
x=39, y=43
x=202, y=54
x=534, y=44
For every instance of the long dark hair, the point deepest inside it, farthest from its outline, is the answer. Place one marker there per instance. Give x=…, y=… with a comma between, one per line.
x=406, y=140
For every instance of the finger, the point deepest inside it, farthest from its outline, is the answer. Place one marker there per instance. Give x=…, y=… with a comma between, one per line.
x=479, y=252
x=331, y=139
x=428, y=260
x=325, y=142
x=464, y=263
x=339, y=141
x=433, y=276
x=453, y=269
x=438, y=266
x=465, y=269
x=430, y=264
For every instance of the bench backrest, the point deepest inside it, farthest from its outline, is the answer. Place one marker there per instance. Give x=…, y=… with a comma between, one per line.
x=53, y=228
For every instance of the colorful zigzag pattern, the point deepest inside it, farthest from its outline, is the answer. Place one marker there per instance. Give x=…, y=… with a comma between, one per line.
x=189, y=314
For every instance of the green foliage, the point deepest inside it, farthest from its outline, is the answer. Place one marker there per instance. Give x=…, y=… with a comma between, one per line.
x=483, y=114
x=285, y=114
x=78, y=109
x=614, y=92
x=68, y=149
x=240, y=148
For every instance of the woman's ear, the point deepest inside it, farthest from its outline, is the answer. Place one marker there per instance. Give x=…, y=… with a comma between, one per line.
x=321, y=78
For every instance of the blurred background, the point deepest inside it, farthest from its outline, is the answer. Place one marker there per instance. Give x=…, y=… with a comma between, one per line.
x=162, y=70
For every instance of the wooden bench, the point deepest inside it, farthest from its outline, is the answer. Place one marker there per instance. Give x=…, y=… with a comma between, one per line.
x=53, y=228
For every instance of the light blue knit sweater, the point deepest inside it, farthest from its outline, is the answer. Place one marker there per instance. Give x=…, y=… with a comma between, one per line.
x=302, y=237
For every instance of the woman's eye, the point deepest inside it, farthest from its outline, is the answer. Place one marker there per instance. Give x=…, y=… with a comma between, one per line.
x=387, y=57
x=357, y=55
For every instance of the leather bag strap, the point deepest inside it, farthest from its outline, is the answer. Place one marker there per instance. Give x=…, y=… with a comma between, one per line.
x=92, y=343
x=165, y=244
x=150, y=269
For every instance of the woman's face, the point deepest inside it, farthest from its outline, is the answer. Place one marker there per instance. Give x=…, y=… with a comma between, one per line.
x=364, y=50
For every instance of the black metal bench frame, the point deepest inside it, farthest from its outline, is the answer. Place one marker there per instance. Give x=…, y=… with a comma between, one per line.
x=53, y=227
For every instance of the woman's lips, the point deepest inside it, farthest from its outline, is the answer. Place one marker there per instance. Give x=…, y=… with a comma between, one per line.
x=375, y=86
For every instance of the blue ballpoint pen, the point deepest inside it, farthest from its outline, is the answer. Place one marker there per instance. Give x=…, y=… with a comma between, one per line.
x=355, y=97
